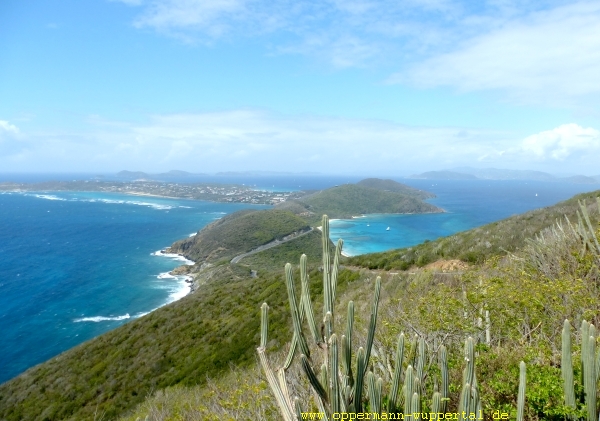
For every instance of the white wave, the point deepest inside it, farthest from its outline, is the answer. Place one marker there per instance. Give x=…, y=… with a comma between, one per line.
x=97, y=319
x=192, y=234
x=47, y=196
x=173, y=256
x=185, y=207
x=178, y=289
x=127, y=202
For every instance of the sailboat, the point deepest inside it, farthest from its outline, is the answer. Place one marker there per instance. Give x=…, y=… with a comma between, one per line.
x=387, y=229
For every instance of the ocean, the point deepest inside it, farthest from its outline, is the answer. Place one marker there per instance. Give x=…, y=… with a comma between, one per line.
x=74, y=265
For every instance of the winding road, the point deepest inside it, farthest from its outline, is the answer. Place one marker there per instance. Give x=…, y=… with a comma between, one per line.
x=272, y=244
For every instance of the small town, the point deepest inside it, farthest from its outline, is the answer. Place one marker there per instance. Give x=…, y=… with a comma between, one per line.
x=212, y=192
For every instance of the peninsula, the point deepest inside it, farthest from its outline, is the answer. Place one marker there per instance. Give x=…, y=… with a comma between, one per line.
x=213, y=192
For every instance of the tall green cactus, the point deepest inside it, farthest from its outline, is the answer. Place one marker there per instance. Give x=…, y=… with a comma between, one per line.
x=521, y=396
x=589, y=374
x=337, y=387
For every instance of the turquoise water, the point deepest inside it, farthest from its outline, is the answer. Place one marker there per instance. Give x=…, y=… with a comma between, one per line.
x=468, y=204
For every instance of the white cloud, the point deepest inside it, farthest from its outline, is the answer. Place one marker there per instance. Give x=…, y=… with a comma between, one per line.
x=535, y=50
x=7, y=128
x=250, y=139
x=214, y=17
x=10, y=139
x=545, y=56
x=562, y=142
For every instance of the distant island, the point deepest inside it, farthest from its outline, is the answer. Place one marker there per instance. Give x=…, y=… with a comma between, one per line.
x=213, y=192
x=368, y=196
x=468, y=173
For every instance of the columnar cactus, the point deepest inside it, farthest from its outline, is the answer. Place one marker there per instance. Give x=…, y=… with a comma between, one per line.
x=589, y=368
x=336, y=386
x=521, y=396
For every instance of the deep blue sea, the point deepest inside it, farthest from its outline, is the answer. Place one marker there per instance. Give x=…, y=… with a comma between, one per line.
x=75, y=265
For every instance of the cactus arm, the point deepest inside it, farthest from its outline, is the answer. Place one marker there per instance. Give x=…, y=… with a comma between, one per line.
x=409, y=383
x=436, y=403
x=378, y=395
x=327, y=293
x=371, y=390
x=312, y=378
x=347, y=345
x=372, y=323
x=335, y=378
x=336, y=265
x=264, y=325
x=590, y=377
x=360, y=370
x=421, y=359
x=280, y=396
x=392, y=399
x=566, y=366
x=465, y=399
x=306, y=301
x=445, y=378
x=294, y=309
x=415, y=404
x=521, y=396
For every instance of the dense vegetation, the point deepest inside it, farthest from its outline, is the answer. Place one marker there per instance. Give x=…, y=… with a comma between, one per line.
x=394, y=186
x=479, y=244
x=349, y=200
x=238, y=233
x=275, y=258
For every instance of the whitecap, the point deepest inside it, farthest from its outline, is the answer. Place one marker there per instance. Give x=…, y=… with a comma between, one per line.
x=173, y=256
x=47, y=197
x=97, y=319
x=192, y=234
x=129, y=202
x=178, y=289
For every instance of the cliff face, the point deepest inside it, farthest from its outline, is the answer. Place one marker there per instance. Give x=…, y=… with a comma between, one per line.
x=239, y=233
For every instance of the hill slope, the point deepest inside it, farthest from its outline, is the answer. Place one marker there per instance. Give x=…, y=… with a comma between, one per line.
x=238, y=233
x=394, y=186
x=349, y=200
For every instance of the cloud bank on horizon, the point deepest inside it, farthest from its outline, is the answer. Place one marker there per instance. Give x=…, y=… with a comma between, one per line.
x=334, y=86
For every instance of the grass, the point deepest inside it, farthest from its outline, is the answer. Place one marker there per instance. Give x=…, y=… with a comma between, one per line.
x=238, y=233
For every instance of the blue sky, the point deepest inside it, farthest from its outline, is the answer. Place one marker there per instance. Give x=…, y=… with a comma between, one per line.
x=355, y=86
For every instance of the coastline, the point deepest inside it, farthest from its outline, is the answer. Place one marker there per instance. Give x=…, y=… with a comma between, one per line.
x=184, y=281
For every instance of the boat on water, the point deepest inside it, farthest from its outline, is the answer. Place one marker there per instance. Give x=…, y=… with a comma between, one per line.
x=387, y=229
x=368, y=225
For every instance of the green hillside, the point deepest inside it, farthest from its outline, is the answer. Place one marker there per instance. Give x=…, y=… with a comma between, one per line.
x=350, y=200
x=238, y=233
x=513, y=307
x=394, y=186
